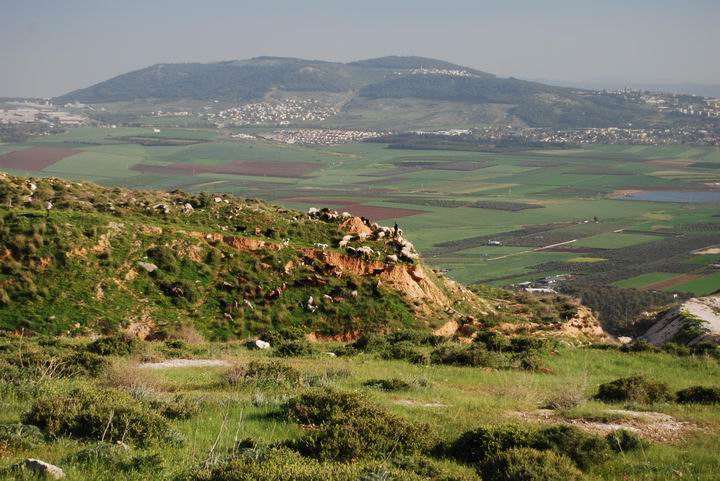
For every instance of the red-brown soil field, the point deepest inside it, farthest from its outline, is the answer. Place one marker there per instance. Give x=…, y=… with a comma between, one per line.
x=35, y=159
x=260, y=168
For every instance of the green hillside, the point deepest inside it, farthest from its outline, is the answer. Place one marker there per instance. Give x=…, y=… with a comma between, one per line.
x=109, y=258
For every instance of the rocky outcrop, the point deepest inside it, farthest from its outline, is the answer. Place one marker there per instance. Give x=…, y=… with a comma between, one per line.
x=691, y=322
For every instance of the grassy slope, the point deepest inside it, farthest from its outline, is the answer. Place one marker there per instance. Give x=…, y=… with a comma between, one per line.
x=471, y=397
x=78, y=268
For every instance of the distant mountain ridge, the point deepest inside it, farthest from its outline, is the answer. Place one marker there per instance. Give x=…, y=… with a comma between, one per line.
x=392, y=77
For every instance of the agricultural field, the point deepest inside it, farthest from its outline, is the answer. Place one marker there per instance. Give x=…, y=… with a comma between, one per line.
x=610, y=215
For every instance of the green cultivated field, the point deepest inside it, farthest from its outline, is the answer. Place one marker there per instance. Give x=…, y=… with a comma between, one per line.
x=645, y=280
x=451, y=203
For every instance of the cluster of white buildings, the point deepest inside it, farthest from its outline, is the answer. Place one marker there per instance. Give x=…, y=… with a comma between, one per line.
x=437, y=71
x=615, y=135
x=444, y=133
x=162, y=113
x=280, y=113
x=319, y=136
x=601, y=135
x=671, y=103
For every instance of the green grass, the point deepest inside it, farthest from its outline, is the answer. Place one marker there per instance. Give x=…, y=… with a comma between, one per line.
x=614, y=241
x=463, y=398
x=700, y=287
x=643, y=280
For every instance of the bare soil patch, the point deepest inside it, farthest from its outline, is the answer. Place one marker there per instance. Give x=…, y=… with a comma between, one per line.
x=35, y=159
x=175, y=363
x=671, y=162
x=670, y=282
x=650, y=425
x=259, y=168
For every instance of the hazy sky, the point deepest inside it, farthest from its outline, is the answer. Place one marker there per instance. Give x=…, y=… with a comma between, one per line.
x=48, y=47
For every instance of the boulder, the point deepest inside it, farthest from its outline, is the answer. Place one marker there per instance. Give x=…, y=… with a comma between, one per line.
x=258, y=344
x=46, y=470
x=147, y=266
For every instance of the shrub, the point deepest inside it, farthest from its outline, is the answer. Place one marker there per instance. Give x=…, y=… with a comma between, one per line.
x=676, y=349
x=369, y=343
x=164, y=258
x=85, y=363
x=473, y=355
x=263, y=374
x=350, y=427
x=706, y=348
x=180, y=407
x=640, y=345
x=528, y=361
x=16, y=436
x=393, y=384
x=584, y=449
x=570, y=397
x=91, y=413
x=281, y=464
x=294, y=348
x=479, y=445
x=524, y=464
x=494, y=341
x=484, y=442
x=129, y=377
x=528, y=344
x=623, y=441
x=362, y=435
x=280, y=334
x=404, y=351
x=414, y=337
x=699, y=395
x=181, y=291
x=118, y=457
x=326, y=379
x=322, y=405
x=176, y=348
x=431, y=469
x=118, y=345
x=636, y=389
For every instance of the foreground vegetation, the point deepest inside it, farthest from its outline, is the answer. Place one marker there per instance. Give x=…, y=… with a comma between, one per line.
x=397, y=407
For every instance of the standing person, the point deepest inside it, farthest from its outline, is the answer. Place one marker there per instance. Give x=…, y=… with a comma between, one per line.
x=48, y=207
x=396, y=229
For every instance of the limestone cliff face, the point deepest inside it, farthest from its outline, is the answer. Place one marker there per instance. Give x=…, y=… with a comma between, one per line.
x=691, y=322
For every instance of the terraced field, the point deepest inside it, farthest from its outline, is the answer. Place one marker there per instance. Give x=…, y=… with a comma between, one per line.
x=571, y=211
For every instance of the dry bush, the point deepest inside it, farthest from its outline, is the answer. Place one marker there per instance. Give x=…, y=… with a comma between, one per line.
x=130, y=377
x=570, y=395
x=188, y=334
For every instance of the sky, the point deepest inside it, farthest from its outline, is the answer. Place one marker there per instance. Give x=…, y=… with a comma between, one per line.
x=49, y=47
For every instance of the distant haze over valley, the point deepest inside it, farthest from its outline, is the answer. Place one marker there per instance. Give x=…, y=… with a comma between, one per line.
x=704, y=90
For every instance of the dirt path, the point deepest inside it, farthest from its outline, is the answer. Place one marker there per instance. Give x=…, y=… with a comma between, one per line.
x=173, y=363
x=650, y=425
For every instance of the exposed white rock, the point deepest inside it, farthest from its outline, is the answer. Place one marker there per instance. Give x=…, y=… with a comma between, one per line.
x=147, y=266
x=44, y=469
